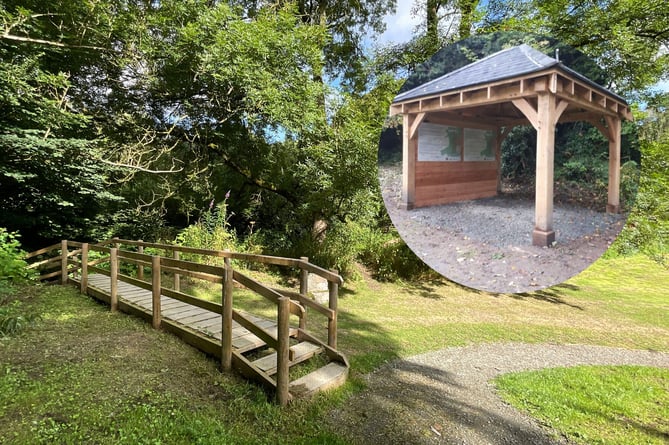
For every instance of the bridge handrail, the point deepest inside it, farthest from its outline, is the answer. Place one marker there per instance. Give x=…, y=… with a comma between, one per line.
x=250, y=257
x=287, y=302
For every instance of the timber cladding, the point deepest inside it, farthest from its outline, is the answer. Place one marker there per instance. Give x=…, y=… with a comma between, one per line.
x=445, y=182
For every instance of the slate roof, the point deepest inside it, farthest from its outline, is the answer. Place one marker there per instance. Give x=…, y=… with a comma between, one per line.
x=511, y=62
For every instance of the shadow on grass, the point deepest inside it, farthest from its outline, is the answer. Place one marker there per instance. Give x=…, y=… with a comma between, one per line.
x=426, y=288
x=553, y=295
x=419, y=404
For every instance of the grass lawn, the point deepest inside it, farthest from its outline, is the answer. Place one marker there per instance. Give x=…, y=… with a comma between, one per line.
x=595, y=404
x=82, y=374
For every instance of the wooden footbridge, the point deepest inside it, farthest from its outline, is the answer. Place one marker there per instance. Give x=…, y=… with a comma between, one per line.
x=263, y=349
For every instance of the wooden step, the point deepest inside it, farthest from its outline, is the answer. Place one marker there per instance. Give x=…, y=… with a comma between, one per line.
x=298, y=353
x=331, y=375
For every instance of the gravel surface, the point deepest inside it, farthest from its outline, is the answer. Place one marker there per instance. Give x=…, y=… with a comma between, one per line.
x=446, y=397
x=486, y=243
x=503, y=221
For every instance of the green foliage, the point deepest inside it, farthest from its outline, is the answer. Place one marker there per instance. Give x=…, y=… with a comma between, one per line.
x=12, y=265
x=14, y=319
x=647, y=228
x=629, y=184
x=53, y=188
x=14, y=316
x=138, y=224
x=386, y=255
x=211, y=231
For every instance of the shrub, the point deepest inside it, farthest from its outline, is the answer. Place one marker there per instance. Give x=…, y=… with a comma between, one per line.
x=12, y=265
x=211, y=231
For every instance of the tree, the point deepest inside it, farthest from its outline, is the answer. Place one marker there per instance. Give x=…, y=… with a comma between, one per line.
x=51, y=184
x=627, y=38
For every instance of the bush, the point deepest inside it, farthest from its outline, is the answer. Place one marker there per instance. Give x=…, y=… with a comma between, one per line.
x=12, y=265
x=211, y=231
x=629, y=184
x=387, y=256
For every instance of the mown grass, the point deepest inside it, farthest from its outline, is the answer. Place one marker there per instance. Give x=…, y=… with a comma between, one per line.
x=84, y=375
x=595, y=404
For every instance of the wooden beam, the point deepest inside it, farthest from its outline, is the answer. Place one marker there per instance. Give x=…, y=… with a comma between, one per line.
x=559, y=109
x=603, y=129
x=525, y=107
x=416, y=123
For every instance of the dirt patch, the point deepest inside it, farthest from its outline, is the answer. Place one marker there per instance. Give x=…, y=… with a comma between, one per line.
x=486, y=244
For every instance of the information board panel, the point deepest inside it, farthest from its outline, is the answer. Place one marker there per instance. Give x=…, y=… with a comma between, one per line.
x=439, y=142
x=479, y=145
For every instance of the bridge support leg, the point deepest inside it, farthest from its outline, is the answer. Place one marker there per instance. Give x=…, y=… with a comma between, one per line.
x=113, y=277
x=155, y=285
x=177, y=277
x=226, y=318
x=282, y=355
x=84, y=268
x=333, y=291
x=140, y=268
x=63, y=262
x=304, y=290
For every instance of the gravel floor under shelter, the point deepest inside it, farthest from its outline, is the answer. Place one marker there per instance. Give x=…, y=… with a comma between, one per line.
x=486, y=243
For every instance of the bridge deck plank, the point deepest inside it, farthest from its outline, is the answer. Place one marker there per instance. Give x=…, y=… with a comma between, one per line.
x=200, y=320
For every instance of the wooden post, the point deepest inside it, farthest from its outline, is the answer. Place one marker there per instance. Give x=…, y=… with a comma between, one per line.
x=282, y=354
x=155, y=286
x=543, y=234
x=113, y=277
x=115, y=240
x=177, y=277
x=84, y=268
x=333, y=293
x=226, y=318
x=140, y=268
x=304, y=278
x=409, y=154
x=613, y=205
x=304, y=290
x=63, y=262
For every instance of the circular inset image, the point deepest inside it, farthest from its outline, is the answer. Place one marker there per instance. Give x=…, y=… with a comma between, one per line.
x=506, y=167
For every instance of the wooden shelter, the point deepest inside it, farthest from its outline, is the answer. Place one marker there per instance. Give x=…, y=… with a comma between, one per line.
x=453, y=128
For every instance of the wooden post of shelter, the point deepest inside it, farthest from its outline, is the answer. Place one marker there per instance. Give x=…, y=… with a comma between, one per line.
x=177, y=277
x=84, y=268
x=63, y=261
x=283, y=352
x=333, y=295
x=140, y=268
x=113, y=279
x=156, y=291
x=226, y=317
x=409, y=153
x=543, y=234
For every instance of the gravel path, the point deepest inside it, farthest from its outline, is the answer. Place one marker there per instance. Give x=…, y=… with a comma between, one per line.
x=486, y=243
x=445, y=397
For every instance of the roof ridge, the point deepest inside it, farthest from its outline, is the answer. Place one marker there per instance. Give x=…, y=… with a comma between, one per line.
x=532, y=55
x=451, y=73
